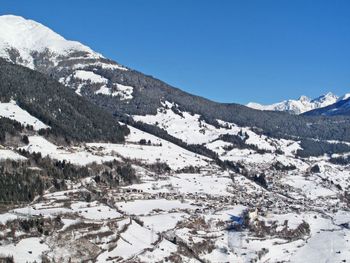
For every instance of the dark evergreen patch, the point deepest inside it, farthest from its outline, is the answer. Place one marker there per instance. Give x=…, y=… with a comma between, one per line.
x=340, y=160
x=318, y=148
x=22, y=181
x=9, y=127
x=68, y=114
x=239, y=141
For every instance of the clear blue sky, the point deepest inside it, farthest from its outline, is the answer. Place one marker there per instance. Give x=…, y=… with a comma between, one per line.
x=227, y=50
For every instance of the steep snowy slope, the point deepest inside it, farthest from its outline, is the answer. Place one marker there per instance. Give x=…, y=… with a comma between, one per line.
x=33, y=45
x=301, y=105
x=12, y=111
x=21, y=39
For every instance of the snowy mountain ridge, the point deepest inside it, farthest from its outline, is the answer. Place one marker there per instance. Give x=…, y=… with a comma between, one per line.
x=301, y=105
x=21, y=37
x=28, y=43
x=341, y=107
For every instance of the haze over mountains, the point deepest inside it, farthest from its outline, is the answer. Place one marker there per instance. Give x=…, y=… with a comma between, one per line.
x=101, y=163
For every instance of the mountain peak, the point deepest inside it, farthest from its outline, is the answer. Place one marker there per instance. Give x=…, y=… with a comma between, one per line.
x=340, y=107
x=326, y=97
x=344, y=97
x=330, y=94
x=304, y=98
x=24, y=36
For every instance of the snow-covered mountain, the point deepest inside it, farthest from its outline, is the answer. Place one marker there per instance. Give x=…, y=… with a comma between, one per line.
x=22, y=39
x=341, y=107
x=301, y=105
x=33, y=45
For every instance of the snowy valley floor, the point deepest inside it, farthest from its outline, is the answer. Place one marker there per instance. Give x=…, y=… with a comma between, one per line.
x=180, y=218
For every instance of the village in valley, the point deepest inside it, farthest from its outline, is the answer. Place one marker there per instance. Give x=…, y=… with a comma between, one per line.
x=183, y=207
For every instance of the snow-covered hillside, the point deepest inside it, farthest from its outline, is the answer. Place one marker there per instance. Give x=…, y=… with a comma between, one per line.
x=12, y=111
x=301, y=105
x=157, y=151
x=31, y=44
x=191, y=129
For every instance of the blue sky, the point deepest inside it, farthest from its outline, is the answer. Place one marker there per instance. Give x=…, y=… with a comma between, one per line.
x=227, y=50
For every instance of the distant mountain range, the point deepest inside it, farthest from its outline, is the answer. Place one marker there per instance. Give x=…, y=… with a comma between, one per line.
x=305, y=104
x=340, y=107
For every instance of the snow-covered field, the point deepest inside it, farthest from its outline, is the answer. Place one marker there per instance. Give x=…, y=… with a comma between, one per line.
x=89, y=76
x=75, y=156
x=124, y=92
x=132, y=242
x=94, y=211
x=191, y=129
x=11, y=155
x=163, y=222
x=12, y=111
x=159, y=151
x=26, y=250
x=145, y=207
x=187, y=127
